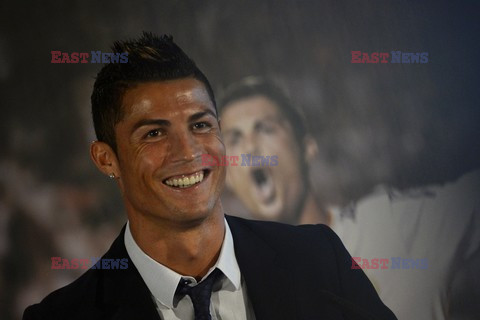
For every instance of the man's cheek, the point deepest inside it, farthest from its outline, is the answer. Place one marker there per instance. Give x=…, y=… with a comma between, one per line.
x=149, y=158
x=222, y=178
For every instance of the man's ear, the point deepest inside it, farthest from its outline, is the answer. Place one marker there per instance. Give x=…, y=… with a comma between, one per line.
x=311, y=148
x=105, y=159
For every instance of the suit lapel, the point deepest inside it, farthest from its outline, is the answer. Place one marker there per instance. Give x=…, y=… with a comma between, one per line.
x=269, y=283
x=122, y=294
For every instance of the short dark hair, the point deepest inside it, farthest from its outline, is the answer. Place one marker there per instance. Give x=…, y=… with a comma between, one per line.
x=150, y=58
x=259, y=86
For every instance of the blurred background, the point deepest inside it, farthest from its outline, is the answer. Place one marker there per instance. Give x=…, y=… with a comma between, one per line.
x=402, y=125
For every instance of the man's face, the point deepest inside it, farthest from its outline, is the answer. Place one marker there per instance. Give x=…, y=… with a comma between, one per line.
x=166, y=128
x=255, y=126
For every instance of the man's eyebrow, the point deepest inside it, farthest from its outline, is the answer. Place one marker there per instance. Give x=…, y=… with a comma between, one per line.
x=231, y=131
x=148, y=122
x=272, y=118
x=198, y=115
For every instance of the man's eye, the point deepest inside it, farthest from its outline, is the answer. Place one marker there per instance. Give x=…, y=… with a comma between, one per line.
x=266, y=128
x=153, y=133
x=202, y=126
x=232, y=140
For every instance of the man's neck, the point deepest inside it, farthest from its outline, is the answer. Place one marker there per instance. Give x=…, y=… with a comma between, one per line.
x=187, y=249
x=312, y=213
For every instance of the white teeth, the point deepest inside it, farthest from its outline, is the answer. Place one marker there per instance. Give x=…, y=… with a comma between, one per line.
x=186, y=181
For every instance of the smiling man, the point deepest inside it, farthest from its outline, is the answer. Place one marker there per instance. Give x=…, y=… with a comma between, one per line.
x=155, y=117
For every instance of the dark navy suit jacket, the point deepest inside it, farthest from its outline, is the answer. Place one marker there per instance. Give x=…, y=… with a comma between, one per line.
x=291, y=272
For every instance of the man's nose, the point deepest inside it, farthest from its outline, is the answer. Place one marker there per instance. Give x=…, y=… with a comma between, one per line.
x=184, y=147
x=251, y=144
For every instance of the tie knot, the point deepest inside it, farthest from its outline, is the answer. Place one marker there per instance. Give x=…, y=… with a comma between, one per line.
x=200, y=294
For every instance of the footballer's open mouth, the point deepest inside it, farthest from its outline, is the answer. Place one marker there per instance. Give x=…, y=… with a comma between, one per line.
x=187, y=180
x=263, y=182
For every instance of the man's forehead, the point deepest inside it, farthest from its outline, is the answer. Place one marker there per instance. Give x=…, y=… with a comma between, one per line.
x=250, y=110
x=183, y=95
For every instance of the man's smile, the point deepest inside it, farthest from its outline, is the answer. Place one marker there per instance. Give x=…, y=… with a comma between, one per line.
x=187, y=180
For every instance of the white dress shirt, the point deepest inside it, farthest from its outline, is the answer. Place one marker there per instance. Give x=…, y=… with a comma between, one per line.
x=229, y=297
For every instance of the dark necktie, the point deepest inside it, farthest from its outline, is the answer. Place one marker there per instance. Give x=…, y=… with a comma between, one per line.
x=200, y=294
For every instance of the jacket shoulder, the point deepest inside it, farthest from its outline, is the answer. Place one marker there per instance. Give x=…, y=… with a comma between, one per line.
x=285, y=237
x=314, y=253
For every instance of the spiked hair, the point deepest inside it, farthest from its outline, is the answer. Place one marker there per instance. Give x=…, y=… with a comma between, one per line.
x=150, y=58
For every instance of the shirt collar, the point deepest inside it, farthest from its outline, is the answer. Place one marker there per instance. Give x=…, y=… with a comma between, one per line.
x=162, y=281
